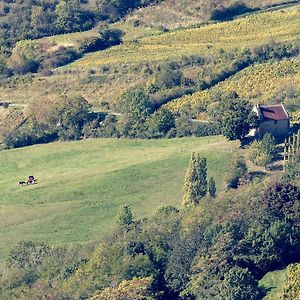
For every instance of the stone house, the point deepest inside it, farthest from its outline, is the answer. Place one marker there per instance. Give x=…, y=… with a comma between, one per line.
x=274, y=119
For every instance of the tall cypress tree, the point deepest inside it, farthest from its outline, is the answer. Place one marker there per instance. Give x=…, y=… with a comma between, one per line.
x=195, y=185
x=212, y=190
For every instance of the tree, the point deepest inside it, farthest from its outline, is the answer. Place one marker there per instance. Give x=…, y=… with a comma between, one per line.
x=135, y=289
x=195, y=185
x=264, y=151
x=135, y=105
x=161, y=122
x=239, y=284
x=116, y=8
x=282, y=201
x=125, y=216
x=24, y=58
x=291, y=288
x=212, y=190
x=68, y=15
x=168, y=78
x=235, y=117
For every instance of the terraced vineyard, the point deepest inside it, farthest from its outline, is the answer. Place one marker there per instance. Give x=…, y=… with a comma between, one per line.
x=242, y=33
x=258, y=83
x=103, y=76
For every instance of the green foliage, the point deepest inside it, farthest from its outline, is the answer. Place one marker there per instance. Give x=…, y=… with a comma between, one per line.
x=24, y=58
x=161, y=122
x=291, y=171
x=68, y=15
x=27, y=254
x=239, y=284
x=117, y=8
x=235, y=117
x=195, y=182
x=282, y=200
x=135, y=103
x=263, y=152
x=168, y=77
x=136, y=107
x=212, y=189
x=236, y=173
x=272, y=283
x=125, y=216
x=218, y=250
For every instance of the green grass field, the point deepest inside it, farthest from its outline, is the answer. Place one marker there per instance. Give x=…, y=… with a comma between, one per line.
x=83, y=184
x=273, y=282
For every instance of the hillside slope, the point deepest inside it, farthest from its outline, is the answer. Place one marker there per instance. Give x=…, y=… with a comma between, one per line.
x=102, y=76
x=83, y=184
x=173, y=14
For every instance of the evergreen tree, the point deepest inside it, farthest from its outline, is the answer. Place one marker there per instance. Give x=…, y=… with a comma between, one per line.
x=212, y=190
x=195, y=186
x=125, y=216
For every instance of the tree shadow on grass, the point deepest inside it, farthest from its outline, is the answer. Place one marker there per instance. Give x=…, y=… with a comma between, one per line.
x=257, y=174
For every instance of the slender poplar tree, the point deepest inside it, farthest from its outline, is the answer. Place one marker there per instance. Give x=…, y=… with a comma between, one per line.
x=195, y=185
x=212, y=190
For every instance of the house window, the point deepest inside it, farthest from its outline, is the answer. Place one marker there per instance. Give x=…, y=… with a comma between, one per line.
x=275, y=122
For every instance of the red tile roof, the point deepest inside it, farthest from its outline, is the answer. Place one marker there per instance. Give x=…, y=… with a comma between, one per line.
x=274, y=112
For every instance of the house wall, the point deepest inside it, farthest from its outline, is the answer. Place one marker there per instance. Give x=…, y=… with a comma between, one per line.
x=269, y=126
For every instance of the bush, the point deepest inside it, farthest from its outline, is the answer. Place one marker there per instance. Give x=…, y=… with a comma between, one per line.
x=227, y=13
x=291, y=289
x=168, y=78
x=161, y=122
x=237, y=171
x=261, y=153
x=60, y=57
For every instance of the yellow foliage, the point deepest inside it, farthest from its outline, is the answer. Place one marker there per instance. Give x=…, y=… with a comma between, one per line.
x=258, y=83
x=134, y=289
x=291, y=289
x=295, y=116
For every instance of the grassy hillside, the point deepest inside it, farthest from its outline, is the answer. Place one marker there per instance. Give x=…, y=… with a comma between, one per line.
x=103, y=76
x=173, y=14
x=273, y=282
x=246, y=32
x=83, y=184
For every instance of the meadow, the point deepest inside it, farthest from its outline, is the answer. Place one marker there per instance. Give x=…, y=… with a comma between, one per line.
x=82, y=185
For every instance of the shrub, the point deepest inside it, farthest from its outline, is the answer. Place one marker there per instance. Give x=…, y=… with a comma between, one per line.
x=237, y=171
x=261, y=153
x=291, y=289
x=161, y=122
x=168, y=78
x=227, y=13
x=60, y=57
